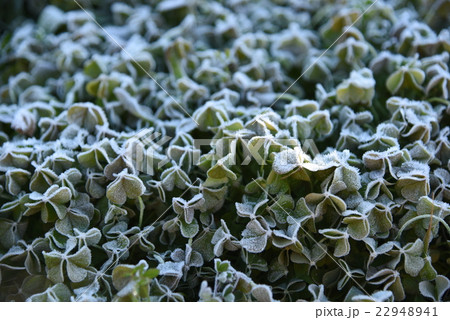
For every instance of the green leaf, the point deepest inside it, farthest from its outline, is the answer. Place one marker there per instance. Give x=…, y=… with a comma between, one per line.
x=125, y=186
x=357, y=224
x=86, y=115
x=436, y=291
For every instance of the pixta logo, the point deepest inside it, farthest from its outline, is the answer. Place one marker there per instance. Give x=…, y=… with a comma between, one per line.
x=145, y=151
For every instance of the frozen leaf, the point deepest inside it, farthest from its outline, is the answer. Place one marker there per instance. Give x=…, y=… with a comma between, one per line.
x=405, y=78
x=357, y=224
x=97, y=155
x=86, y=115
x=342, y=247
x=301, y=107
x=220, y=173
x=186, y=208
x=281, y=208
x=189, y=257
x=324, y=202
x=88, y=238
x=380, y=217
x=203, y=244
x=103, y=86
x=254, y=237
x=320, y=122
x=212, y=114
x=189, y=230
x=42, y=178
x=95, y=184
x=357, y=295
x=262, y=293
x=24, y=122
x=358, y=89
x=78, y=216
x=171, y=268
x=250, y=210
x=51, y=204
x=349, y=176
x=69, y=179
x=440, y=81
x=162, y=293
x=16, y=180
x=124, y=186
x=174, y=177
x=58, y=293
x=413, y=181
x=317, y=291
x=437, y=291
x=294, y=159
x=133, y=281
x=413, y=257
x=223, y=239
x=390, y=279
x=131, y=104
x=288, y=238
x=117, y=166
x=75, y=265
x=51, y=18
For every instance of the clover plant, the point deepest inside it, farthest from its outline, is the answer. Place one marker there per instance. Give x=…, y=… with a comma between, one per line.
x=178, y=150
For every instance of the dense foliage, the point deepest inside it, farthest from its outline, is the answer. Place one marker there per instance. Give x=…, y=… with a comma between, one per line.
x=333, y=187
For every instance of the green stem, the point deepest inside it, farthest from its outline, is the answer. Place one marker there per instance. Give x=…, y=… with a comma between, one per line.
x=141, y=211
x=427, y=239
x=175, y=63
x=422, y=217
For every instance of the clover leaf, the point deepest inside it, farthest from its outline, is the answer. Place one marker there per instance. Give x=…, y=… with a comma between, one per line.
x=125, y=186
x=254, y=237
x=16, y=180
x=51, y=204
x=223, y=239
x=133, y=281
x=58, y=293
x=86, y=115
x=186, y=208
x=341, y=237
x=358, y=89
x=75, y=264
x=437, y=291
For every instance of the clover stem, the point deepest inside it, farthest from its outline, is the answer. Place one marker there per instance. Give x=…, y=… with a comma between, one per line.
x=141, y=211
x=422, y=217
x=174, y=61
x=177, y=68
x=427, y=238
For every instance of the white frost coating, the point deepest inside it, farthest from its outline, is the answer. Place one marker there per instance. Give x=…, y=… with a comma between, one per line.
x=412, y=168
x=24, y=122
x=362, y=78
x=289, y=160
x=171, y=268
x=169, y=5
